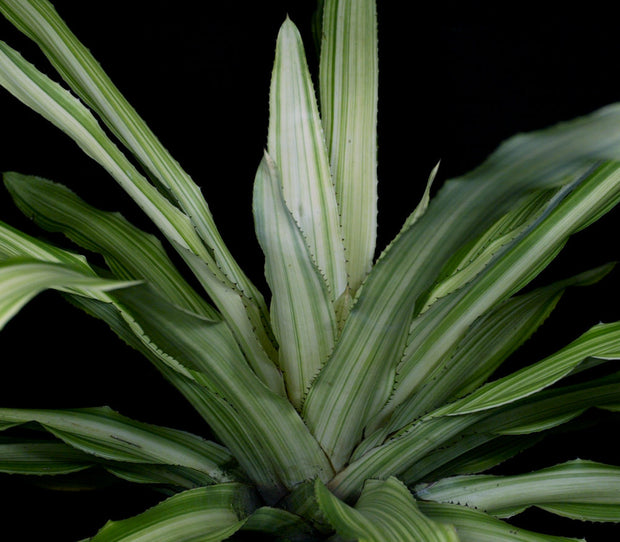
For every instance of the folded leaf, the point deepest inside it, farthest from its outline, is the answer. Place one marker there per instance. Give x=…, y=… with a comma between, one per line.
x=208, y=514
x=303, y=317
x=22, y=278
x=297, y=146
x=385, y=512
x=130, y=252
x=585, y=511
x=15, y=244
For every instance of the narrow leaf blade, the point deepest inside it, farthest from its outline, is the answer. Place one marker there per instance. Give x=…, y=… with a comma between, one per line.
x=108, y=435
x=130, y=252
x=573, y=482
x=21, y=279
x=476, y=526
x=40, y=22
x=372, y=342
x=297, y=146
x=302, y=313
x=602, y=341
x=348, y=88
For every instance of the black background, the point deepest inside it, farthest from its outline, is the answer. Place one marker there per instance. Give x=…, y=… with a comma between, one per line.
x=455, y=80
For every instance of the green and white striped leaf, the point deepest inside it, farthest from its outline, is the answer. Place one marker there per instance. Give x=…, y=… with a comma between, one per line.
x=277, y=522
x=601, y=341
x=489, y=341
x=206, y=514
x=297, y=145
x=585, y=512
x=41, y=23
x=41, y=457
x=574, y=482
x=398, y=454
x=168, y=477
x=15, y=244
x=420, y=209
x=63, y=110
x=302, y=314
x=59, y=107
x=385, y=512
x=223, y=419
x=437, y=332
x=257, y=343
x=108, y=435
x=45, y=458
x=468, y=454
x=476, y=526
x=348, y=81
x=548, y=408
x=282, y=451
x=21, y=279
x=364, y=363
x=539, y=412
x=472, y=258
x=221, y=416
x=130, y=252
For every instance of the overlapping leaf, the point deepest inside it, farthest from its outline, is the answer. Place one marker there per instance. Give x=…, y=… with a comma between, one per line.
x=361, y=372
x=39, y=21
x=208, y=514
x=437, y=331
x=41, y=457
x=106, y=434
x=296, y=144
x=131, y=253
x=207, y=351
x=486, y=345
x=58, y=106
x=303, y=316
x=539, y=412
x=601, y=342
x=385, y=512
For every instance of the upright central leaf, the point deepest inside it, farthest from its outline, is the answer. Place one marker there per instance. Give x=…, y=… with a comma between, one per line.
x=297, y=146
x=349, y=90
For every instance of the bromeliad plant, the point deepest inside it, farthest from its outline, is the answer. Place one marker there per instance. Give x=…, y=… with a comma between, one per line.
x=358, y=404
